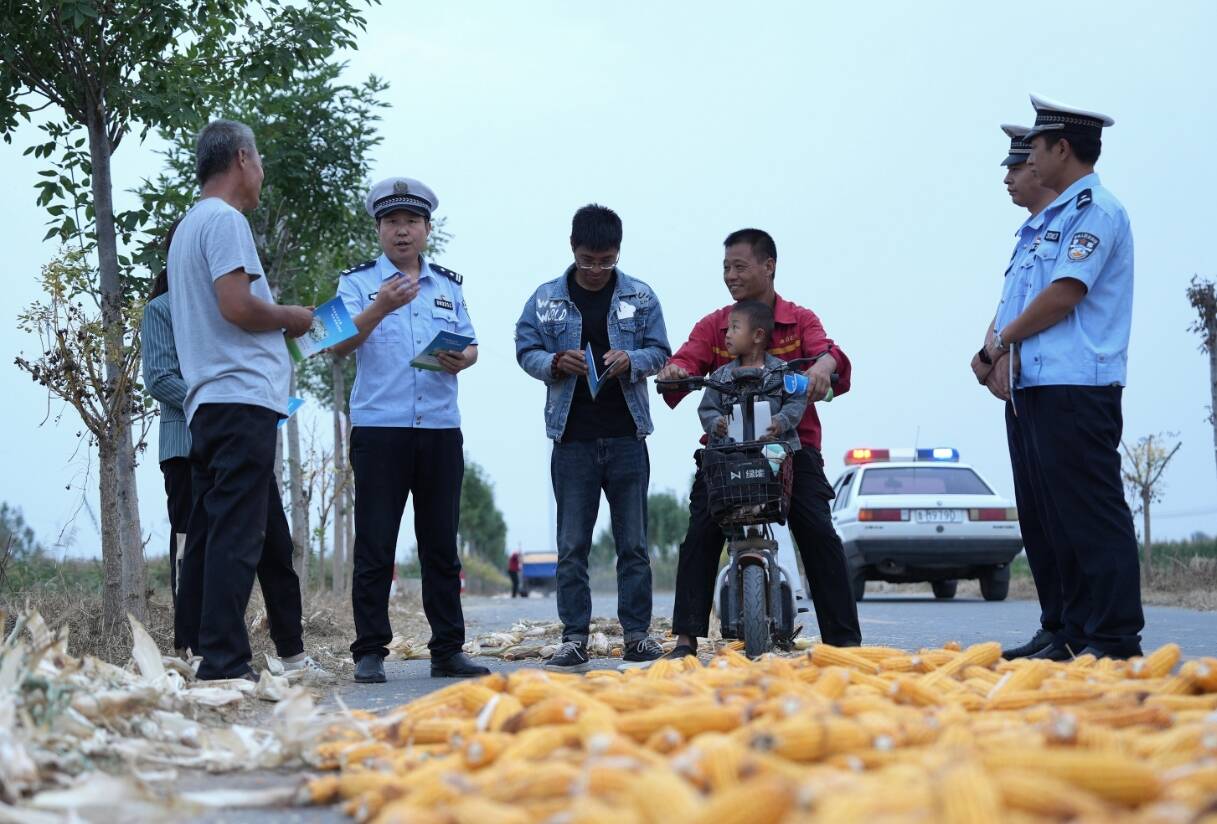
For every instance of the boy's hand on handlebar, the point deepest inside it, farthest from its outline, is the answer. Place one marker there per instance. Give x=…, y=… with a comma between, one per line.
x=720, y=426
x=671, y=372
x=617, y=361
x=570, y=362
x=819, y=379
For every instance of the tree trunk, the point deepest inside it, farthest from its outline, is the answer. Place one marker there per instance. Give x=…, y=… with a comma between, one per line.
x=295, y=484
x=1149, y=546
x=339, y=559
x=349, y=554
x=122, y=545
x=1211, y=334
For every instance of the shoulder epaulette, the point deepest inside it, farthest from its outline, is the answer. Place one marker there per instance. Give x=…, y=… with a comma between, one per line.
x=1085, y=197
x=448, y=273
x=359, y=267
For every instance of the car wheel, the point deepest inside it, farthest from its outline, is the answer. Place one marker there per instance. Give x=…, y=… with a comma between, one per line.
x=944, y=590
x=995, y=584
x=857, y=583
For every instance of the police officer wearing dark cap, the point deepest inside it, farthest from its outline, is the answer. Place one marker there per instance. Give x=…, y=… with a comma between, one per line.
x=1072, y=336
x=1026, y=191
x=406, y=437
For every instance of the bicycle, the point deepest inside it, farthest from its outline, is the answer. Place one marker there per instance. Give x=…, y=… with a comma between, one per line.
x=748, y=486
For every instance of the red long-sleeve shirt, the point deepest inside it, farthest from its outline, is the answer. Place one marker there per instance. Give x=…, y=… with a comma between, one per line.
x=797, y=333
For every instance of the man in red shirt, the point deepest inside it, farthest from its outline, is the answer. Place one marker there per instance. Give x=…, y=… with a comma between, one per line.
x=749, y=265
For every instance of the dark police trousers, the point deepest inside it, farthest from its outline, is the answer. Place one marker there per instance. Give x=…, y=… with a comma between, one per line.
x=1040, y=556
x=178, y=502
x=390, y=463
x=237, y=532
x=810, y=522
x=1072, y=444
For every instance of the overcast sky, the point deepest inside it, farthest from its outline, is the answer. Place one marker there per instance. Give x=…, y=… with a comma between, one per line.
x=863, y=136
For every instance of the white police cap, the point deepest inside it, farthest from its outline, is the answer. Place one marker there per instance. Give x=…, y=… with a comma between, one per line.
x=401, y=193
x=1020, y=149
x=1053, y=116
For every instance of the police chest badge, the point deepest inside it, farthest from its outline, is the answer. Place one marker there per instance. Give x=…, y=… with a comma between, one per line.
x=1082, y=245
x=443, y=303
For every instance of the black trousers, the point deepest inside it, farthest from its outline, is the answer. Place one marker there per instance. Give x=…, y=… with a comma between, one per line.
x=390, y=463
x=1072, y=443
x=819, y=546
x=237, y=531
x=179, y=500
x=515, y=582
x=1040, y=556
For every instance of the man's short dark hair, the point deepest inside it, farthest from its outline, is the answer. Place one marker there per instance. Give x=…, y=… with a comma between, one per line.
x=1086, y=148
x=217, y=146
x=762, y=245
x=758, y=314
x=596, y=228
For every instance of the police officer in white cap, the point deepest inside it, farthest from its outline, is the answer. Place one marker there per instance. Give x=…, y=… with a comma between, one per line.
x=406, y=437
x=1026, y=191
x=1072, y=337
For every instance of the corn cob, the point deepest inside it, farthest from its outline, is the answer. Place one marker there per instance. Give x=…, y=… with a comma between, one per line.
x=665, y=740
x=760, y=801
x=1202, y=674
x=984, y=655
x=689, y=720
x=404, y=811
x=915, y=691
x=966, y=795
x=1112, y=776
x=1044, y=795
x=1157, y=664
x=824, y=655
x=483, y=748
x=480, y=811
x=832, y=682
x=898, y=663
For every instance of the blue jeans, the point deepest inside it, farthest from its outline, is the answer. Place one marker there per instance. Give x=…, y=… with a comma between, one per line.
x=580, y=470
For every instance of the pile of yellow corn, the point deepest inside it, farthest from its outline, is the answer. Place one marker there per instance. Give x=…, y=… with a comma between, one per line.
x=871, y=734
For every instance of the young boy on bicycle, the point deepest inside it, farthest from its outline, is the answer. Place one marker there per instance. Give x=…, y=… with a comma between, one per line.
x=749, y=327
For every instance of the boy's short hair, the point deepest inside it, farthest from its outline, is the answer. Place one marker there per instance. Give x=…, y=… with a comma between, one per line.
x=758, y=314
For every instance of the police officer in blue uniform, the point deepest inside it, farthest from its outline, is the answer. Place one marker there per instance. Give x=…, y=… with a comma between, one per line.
x=1026, y=191
x=1072, y=336
x=406, y=437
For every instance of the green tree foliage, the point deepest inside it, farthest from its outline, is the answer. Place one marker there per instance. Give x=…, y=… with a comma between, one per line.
x=17, y=539
x=482, y=526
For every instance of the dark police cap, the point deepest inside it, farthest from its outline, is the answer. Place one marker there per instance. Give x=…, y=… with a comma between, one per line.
x=1051, y=116
x=401, y=193
x=1020, y=149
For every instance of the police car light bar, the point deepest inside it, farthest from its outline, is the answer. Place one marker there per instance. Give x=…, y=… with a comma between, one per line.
x=941, y=454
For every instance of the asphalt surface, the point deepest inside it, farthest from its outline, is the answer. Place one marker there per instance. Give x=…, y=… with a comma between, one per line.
x=909, y=622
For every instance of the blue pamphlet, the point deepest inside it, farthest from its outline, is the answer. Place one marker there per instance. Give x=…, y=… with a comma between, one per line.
x=595, y=378
x=332, y=324
x=293, y=405
x=443, y=342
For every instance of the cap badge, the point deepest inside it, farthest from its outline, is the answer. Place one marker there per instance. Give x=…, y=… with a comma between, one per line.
x=401, y=187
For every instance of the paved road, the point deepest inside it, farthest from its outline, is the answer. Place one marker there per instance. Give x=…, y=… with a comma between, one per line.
x=909, y=622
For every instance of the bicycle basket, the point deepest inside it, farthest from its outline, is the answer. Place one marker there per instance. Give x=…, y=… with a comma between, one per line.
x=745, y=486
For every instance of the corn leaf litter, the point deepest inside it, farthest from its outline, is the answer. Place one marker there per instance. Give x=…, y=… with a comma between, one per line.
x=60, y=716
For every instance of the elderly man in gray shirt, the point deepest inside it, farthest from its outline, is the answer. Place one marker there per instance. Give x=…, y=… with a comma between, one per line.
x=228, y=334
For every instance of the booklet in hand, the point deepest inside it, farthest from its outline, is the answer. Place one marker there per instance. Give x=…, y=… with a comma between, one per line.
x=293, y=406
x=443, y=342
x=595, y=378
x=332, y=324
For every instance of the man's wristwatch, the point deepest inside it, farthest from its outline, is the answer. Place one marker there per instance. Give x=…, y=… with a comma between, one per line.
x=984, y=357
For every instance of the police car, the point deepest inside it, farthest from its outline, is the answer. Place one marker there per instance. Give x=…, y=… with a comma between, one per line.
x=908, y=515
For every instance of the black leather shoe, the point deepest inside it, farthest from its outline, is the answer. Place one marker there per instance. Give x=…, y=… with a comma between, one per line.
x=681, y=651
x=370, y=669
x=1098, y=653
x=457, y=665
x=1054, y=652
x=1041, y=640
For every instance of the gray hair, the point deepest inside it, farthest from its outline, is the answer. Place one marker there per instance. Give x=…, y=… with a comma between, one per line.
x=217, y=147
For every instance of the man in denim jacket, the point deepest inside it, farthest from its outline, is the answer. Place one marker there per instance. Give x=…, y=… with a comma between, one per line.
x=599, y=422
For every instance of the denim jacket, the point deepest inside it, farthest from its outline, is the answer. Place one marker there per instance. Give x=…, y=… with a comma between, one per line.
x=551, y=323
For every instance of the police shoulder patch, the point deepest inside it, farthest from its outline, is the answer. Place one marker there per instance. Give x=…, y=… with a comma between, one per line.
x=359, y=267
x=448, y=273
x=1082, y=245
x=1085, y=198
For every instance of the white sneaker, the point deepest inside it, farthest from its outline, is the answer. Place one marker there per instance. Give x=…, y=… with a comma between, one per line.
x=304, y=666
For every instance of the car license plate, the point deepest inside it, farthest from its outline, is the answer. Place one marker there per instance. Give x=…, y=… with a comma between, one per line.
x=939, y=516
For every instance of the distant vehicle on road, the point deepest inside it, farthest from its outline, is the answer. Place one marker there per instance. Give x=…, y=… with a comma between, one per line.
x=539, y=573
x=912, y=515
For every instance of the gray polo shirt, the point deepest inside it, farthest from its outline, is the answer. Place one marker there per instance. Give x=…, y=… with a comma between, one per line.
x=221, y=362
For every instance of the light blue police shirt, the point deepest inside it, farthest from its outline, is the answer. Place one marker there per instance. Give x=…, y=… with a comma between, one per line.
x=1016, y=283
x=389, y=391
x=1085, y=236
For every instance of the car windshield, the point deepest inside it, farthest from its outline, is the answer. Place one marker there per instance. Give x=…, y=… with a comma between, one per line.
x=916, y=480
